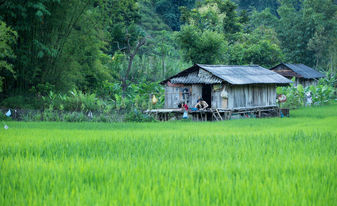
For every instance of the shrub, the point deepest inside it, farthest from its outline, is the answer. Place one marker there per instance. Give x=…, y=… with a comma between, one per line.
x=3, y=117
x=17, y=102
x=135, y=116
x=38, y=117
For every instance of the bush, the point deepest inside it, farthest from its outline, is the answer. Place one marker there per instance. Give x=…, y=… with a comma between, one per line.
x=3, y=117
x=75, y=117
x=135, y=116
x=296, y=96
x=17, y=102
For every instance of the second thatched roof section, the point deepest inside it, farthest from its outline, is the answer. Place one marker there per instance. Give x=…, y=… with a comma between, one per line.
x=233, y=74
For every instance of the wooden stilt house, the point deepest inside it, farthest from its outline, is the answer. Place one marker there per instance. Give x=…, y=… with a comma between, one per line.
x=224, y=87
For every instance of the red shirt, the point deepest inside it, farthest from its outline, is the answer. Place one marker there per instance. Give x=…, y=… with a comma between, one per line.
x=186, y=107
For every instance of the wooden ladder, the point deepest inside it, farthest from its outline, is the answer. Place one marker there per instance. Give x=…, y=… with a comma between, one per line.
x=216, y=114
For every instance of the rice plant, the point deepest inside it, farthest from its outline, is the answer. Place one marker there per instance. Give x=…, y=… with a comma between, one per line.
x=288, y=161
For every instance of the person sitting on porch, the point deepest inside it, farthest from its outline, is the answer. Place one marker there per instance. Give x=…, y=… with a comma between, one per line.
x=183, y=105
x=201, y=104
x=199, y=99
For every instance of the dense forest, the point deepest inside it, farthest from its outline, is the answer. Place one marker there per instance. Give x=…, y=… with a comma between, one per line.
x=112, y=49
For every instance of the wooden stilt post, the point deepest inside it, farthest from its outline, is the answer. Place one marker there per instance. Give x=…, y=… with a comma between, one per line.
x=219, y=114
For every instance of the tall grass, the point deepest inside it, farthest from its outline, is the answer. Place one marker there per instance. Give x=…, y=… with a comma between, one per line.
x=288, y=161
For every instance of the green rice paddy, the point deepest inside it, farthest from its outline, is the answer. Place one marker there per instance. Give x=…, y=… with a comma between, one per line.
x=288, y=161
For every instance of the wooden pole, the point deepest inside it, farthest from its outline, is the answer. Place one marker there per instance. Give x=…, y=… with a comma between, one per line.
x=219, y=114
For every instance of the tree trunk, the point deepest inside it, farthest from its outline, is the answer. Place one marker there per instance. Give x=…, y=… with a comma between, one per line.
x=131, y=56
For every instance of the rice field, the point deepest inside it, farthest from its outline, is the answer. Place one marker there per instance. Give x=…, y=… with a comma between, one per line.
x=288, y=161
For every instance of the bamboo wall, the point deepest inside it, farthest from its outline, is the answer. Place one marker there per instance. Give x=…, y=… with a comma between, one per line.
x=174, y=95
x=253, y=95
x=240, y=96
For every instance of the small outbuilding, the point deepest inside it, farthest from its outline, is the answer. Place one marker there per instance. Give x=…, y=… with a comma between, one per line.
x=224, y=87
x=303, y=74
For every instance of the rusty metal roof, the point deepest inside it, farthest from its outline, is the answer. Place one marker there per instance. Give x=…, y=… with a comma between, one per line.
x=303, y=70
x=288, y=73
x=237, y=75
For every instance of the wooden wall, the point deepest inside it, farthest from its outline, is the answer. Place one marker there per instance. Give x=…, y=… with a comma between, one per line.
x=217, y=100
x=169, y=98
x=173, y=95
x=305, y=82
x=240, y=96
x=196, y=92
x=253, y=95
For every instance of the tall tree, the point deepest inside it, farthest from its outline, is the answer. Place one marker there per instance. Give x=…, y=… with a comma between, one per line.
x=305, y=34
x=216, y=15
x=7, y=39
x=204, y=47
x=258, y=47
x=131, y=50
x=59, y=42
x=169, y=10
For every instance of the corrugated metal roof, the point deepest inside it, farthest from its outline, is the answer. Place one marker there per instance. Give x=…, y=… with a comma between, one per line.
x=193, y=78
x=252, y=74
x=305, y=71
x=237, y=75
x=301, y=69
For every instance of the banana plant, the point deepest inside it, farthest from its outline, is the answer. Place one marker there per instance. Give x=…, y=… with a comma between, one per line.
x=51, y=97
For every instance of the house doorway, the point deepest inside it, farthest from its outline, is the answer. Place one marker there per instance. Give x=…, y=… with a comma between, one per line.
x=207, y=93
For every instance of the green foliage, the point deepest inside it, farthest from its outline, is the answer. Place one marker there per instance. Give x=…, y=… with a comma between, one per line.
x=15, y=102
x=169, y=11
x=296, y=96
x=49, y=115
x=289, y=161
x=150, y=20
x=3, y=117
x=214, y=15
x=75, y=117
x=262, y=19
x=330, y=79
x=7, y=39
x=59, y=43
x=259, y=47
x=305, y=33
x=135, y=116
x=279, y=90
x=49, y=47
x=259, y=5
x=206, y=47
